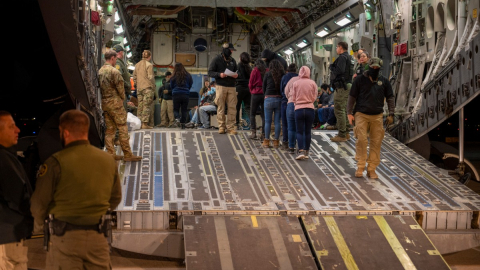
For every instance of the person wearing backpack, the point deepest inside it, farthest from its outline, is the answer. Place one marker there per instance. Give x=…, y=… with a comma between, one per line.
x=341, y=73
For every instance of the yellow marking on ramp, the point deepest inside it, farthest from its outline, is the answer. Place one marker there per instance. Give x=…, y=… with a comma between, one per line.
x=254, y=221
x=341, y=244
x=394, y=243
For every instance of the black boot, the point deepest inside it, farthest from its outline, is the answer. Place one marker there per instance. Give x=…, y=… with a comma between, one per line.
x=182, y=125
x=253, y=135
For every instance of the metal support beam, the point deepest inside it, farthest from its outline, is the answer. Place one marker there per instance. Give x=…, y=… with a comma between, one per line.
x=224, y=3
x=124, y=22
x=461, y=135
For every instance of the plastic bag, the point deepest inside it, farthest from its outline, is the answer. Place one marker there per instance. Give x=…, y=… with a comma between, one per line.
x=133, y=122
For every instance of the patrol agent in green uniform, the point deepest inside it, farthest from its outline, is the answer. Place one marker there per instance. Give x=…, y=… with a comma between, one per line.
x=76, y=185
x=120, y=66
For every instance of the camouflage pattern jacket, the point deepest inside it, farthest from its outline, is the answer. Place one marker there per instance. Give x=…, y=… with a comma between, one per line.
x=120, y=66
x=112, y=87
x=143, y=75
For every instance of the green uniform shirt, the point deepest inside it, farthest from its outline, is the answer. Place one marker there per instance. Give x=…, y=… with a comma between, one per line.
x=77, y=185
x=120, y=66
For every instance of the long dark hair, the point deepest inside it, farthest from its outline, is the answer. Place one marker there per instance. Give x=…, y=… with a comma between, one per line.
x=262, y=67
x=277, y=70
x=180, y=74
x=245, y=61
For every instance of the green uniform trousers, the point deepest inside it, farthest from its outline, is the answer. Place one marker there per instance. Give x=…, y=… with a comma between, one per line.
x=226, y=95
x=368, y=126
x=145, y=100
x=340, y=98
x=79, y=249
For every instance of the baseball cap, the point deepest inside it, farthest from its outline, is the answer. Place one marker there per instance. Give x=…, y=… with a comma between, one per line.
x=229, y=45
x=117, y=48
x=375, y=62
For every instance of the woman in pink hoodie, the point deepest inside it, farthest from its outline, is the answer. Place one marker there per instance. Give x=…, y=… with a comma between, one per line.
x=303, y=95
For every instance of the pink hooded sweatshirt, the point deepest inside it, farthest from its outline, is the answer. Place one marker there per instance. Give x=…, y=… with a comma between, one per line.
x=304, y=91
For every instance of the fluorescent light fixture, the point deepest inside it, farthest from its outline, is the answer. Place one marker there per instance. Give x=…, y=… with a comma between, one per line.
x=129, y=55
x=345, y=19
x=119, y=29
x=127, y=48
x=323, y=32
x=117, y=18
x=369, y=4
x=131, y=67
x=302, y=43
x=125, y=41
x=288, y=51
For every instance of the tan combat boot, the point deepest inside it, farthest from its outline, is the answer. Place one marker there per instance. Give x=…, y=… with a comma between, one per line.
x=146, y=126
x=359, y=172
x=221, y=131
x=276, y=143
x=372, y=174
x=232, y=132
x=266, y=143
x=117, y=157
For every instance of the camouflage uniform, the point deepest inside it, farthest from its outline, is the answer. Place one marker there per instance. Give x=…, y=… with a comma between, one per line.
x=113, y=94
x=145, y=79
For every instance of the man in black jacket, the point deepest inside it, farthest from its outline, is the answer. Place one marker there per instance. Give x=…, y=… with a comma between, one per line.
x=16, y=222
x=341, y=81
x=365, y=106
x=225, y=91
x=166, y=102
x=268, y=56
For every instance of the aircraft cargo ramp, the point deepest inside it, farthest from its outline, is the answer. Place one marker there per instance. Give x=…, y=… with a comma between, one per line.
x=224, y=202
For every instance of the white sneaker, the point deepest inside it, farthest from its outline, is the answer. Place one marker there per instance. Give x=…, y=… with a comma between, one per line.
x=301, y=155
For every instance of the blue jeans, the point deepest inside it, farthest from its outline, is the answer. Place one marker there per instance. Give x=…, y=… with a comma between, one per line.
x=329, y=116
x=204, y=117
x=292, y=127
x=321, y=113
x=304, y=119
x=272, y=107
x=284, y=121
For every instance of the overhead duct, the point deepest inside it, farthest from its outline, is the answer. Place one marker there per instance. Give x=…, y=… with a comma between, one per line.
x=250, y=12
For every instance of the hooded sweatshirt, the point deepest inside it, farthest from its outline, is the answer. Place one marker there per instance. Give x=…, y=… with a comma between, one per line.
x=283, y=83
x=289, y=88
x=256, y=82
x=304, y=92
x=269, y=55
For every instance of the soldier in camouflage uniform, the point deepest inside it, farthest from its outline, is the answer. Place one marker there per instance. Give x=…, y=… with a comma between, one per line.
x=120, y=66
x=113, y=94
x=145, y=80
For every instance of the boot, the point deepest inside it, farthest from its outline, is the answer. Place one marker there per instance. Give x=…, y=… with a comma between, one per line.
x=262, y=136
x=190, y=125
x=372, y=174
x=182, y=126
x=146, y=126
x=221, y=131
x=276, y=143
x=232, y=132
x=359, y=172
x=285, y=146
x=266, y=143
x=132, y=158
x=253, y=135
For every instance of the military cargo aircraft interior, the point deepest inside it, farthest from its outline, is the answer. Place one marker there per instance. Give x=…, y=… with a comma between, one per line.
x=213, y=179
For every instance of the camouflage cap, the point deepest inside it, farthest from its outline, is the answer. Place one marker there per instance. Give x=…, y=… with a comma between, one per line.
x=117, y=48
x=375, y=62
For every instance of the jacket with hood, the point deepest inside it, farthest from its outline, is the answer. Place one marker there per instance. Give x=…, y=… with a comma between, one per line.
x=165, y=86
x=143, y=75
x=269, y=55
x=256, y=82
x=243, y=76
x=283, y=83
x=304, y=92
x=219, y=65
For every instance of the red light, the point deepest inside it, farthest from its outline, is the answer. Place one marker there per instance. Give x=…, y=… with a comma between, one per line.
x=465, y=119
x=24, y=124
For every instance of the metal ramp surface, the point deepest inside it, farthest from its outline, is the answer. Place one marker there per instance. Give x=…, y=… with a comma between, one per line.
x=308, y=242
x=209, y=172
